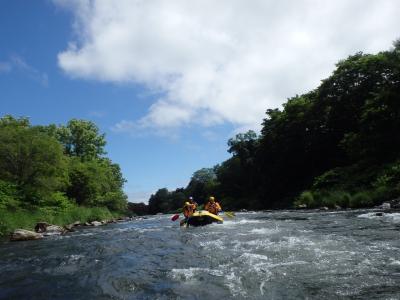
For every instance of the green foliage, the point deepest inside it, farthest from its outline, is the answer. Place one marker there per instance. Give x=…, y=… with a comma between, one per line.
x=32, y=161
x=305, y=198
x=9, y=198
x=27, y=219
x=46, y=170
x=81, y=138
x=166, y=201
x=96, y=182
x=361, y=199
x=335, y=199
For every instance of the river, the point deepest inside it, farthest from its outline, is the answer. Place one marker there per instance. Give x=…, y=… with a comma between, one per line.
x=268, y=255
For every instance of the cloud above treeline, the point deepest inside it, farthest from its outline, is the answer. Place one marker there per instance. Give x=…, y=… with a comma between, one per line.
x=220, y=61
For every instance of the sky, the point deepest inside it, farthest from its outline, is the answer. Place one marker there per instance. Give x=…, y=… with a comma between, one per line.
x=169, y=82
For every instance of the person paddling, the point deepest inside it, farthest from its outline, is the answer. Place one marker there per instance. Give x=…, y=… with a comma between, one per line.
x=212, y=206
x=194, y=203
x=188, y=209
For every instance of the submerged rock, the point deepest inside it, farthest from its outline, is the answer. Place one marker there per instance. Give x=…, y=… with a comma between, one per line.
x=25, y=235
x=379, y=214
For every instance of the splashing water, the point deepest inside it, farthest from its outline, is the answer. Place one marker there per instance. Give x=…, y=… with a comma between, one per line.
x=274, y=255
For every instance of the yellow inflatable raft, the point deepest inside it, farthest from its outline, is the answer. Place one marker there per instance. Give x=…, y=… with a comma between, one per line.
x=201, y=218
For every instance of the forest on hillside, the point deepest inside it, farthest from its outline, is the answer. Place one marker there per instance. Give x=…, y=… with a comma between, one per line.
x=337, y=145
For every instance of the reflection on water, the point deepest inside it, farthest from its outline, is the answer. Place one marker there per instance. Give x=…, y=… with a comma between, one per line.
x=273, y=255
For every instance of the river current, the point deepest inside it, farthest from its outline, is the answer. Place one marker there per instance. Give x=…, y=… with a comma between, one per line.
x=269, y=255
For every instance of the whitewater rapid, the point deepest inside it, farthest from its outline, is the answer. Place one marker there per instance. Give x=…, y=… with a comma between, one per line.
x=263, y=255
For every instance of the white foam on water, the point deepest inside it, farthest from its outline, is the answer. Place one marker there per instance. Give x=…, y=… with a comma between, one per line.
x=371, y=215
x=252, y=257
x=241, y=222
x=265, y=231
x=234, y=283
x=213, y=244
x=143, y=230
x=190, y=274
x=262, y=288
x=395, y=262
x=388, y=217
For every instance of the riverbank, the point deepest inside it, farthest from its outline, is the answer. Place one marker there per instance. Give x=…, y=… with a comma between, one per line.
x=27, y=219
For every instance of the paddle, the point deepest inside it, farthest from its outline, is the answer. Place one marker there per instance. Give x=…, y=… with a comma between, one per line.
x=175, y=217
x=229, y=214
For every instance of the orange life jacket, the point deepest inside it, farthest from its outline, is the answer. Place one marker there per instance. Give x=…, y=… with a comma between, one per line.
x=188, y=210
x=213, y=208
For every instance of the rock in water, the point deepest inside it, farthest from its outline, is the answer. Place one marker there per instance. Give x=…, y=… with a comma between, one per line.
x=41, y=226
x=96, y=223
x=54, y=230
x=69, y=227
x=25, y=235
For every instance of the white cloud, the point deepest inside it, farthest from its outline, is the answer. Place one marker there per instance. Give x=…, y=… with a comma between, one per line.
x=221, y=61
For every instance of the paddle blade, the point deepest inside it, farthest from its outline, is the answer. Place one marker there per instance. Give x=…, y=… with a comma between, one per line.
x=175, y=217
x=229, y=214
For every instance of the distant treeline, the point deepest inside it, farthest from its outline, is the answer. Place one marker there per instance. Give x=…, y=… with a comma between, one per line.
x=50, y=171
x=338, y=145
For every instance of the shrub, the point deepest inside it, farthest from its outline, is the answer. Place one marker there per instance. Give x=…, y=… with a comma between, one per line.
x=361, y=199
x=336, y=198
x=306, y=198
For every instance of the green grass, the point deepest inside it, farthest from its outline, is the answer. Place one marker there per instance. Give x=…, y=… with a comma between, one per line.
x=27, y=219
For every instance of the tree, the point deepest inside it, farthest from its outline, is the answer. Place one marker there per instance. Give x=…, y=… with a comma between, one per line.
x=202, y=184
x=81, y=138
x=31, y=160
x=96, y=183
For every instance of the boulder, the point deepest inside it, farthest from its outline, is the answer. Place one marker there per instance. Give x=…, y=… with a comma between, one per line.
x=54, y=230
x=302, y=206
x=337, y=207
x=41, y=226
x=96, y=223
x=69, y=227
x=323, y=208
x=77, y=223
x=379, y=214
x=88, y=224
x=385, y=205
x=25, y=235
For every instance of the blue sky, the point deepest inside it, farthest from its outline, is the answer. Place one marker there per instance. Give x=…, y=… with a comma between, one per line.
x=170, y=82
x=32, y=34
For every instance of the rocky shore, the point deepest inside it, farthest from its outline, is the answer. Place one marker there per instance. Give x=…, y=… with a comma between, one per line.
x=44, y=229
